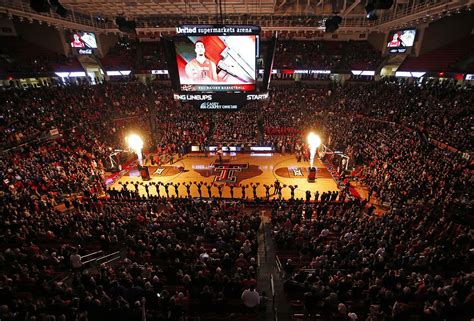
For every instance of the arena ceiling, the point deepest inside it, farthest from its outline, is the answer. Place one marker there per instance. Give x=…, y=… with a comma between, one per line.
x=146, y=8
x=272, y=15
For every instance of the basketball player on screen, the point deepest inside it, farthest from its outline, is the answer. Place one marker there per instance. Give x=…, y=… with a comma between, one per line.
x=201, y=69
x=395, y=41
x=77, y=43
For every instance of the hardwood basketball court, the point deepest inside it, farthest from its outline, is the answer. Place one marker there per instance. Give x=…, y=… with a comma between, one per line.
x=236, y=169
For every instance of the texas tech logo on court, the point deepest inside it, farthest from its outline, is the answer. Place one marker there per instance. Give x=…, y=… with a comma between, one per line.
x=225, y=172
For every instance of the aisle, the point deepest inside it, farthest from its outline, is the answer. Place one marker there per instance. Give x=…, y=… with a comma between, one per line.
x=268, y=272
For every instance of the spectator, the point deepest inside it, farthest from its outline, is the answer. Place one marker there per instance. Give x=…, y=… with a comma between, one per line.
x=250, y=298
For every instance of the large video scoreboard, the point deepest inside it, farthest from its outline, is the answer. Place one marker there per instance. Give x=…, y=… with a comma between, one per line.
x=82, y=43
x=401, y=41
x=215, y=66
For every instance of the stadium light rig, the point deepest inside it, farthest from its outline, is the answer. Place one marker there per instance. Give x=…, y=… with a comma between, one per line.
x=135, y=143
x=313, y=141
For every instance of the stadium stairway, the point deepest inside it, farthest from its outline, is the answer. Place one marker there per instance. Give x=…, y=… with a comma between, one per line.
x=269, y=279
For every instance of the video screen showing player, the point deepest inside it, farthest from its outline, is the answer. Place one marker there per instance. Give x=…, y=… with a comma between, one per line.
x=84, y=40
x=201, y=69
x=402, y=38
x=223, y=61
x=77, y=42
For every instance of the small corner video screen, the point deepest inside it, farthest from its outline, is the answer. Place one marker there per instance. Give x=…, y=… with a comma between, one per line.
x=85, y=40
x=211, y=63
x=400, y=40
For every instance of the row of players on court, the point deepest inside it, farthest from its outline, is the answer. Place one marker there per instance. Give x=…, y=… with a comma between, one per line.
x=126, y=192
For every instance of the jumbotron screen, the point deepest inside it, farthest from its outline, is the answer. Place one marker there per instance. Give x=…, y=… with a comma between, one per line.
x=83, y=40
x=400, y=40
x=217, y=63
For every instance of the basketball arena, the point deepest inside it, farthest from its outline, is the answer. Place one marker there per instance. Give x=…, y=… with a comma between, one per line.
x=236, y=160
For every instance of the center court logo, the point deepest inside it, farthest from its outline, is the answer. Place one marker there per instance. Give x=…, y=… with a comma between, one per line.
x=226, y=172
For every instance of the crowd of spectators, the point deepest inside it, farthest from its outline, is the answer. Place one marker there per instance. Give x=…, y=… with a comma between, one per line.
x=197, y=256
x=387, y=129
x=358, y=55
x=135, y=55
x=326, y=55
x=409, y=264
x=17, y=55
x=150, y=56
x=239, y=128
x=400, y=165
x=440, y=110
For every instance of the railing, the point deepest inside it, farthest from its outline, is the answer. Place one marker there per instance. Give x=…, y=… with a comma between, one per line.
x=91, y=254
x=64, y=275
x=109, y=258
x=274, y=307
x=278, y=264
x=418, y=9
x=22, y=8
x=269, y=22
